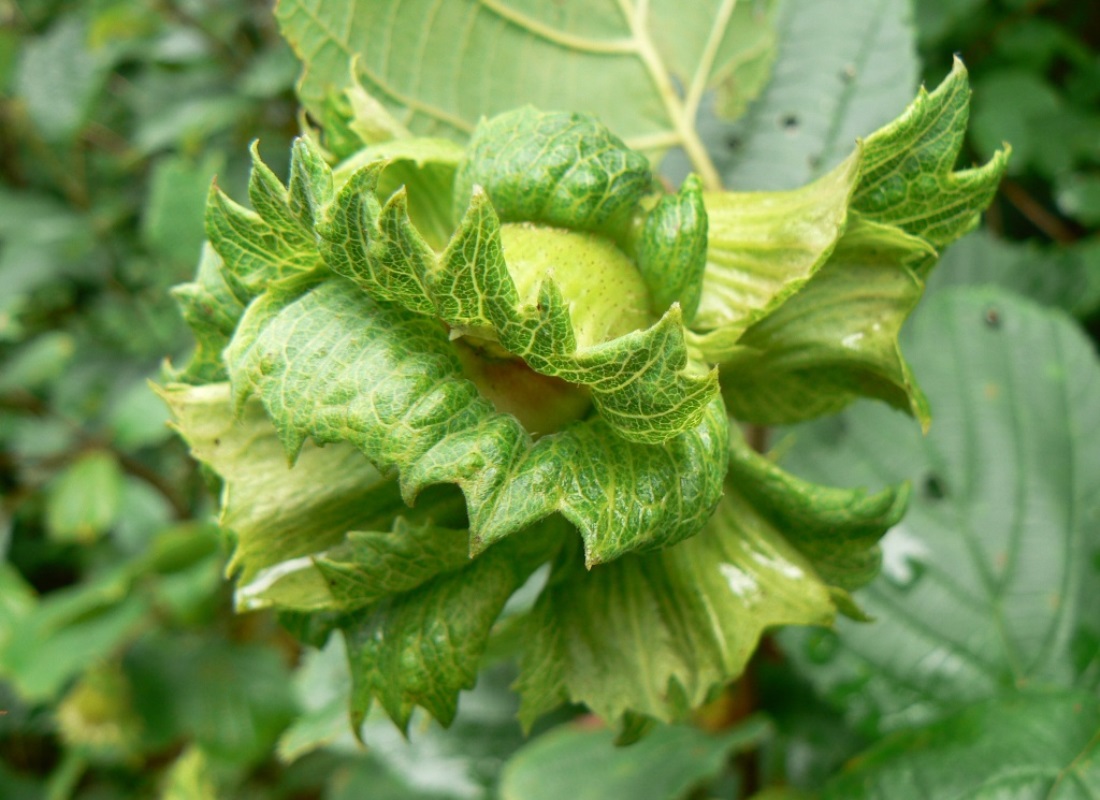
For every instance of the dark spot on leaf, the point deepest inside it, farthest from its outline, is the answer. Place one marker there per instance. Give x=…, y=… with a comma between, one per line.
x=993, y=318
x=815, y=161
x=217, y=441
x=848, y=74
x=933, y=487
x=733, y=142
x=789, y=122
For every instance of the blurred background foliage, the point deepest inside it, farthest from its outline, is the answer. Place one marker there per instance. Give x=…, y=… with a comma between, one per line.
x=123, y=671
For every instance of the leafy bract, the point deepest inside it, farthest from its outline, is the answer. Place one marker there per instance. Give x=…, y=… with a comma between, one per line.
x=823, y=330
x=441, y=68
x=985, y=586
x=655, y=634
x=390, y=383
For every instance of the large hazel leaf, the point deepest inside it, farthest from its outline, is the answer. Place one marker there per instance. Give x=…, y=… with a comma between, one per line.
x=1040, y=745
x=329, y=363
x=655, y=634
x=843, y=69
x=440, y=68
x=641, y=381
x=990, y=583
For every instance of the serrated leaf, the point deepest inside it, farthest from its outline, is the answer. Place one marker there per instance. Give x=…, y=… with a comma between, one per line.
x=908, y=175
x=672, y=249
x=640, y=381
x=843, y=69
x=836, y=340
x=426, y=168
x=1039, y=745
x=906, y=196
x=762, y=248
x=668, y=763
x=653, y=635
x=281, y=517
x=558, y=169
x=837, y=529
x=618, y=61
x=422, y=647
x=989, y=583
x=275, y=240
x=82, y=502
x=329, y=363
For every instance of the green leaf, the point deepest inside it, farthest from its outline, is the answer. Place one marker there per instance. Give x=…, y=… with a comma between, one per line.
x=989, y=583
x=276, y=513
x=426, y=168
x=422, y=647
x=275, y=240
x=619, y=61
x=836, y=340
x=1037, y=745
x=59, y=76
x=212, y=306
x=837, y=529
x=232, y=700
x=655, y=634
x=60, y=635
x=535, y=291
x=843, y=69
x=189, y=778
x=668, y=763
x=672, y=249
x=82, y=502
x=1066, y=277
x=762, y=248
x=908, y=176
x=38, y=363
x=171, y=223
x=562, y=170
x=327, y=362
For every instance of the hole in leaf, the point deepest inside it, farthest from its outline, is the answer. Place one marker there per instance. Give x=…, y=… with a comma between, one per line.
x=934, y=488
x=848, y=74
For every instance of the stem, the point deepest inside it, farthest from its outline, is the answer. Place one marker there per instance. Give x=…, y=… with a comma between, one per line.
x=63, y=781
x=1036, y=214
x=689, y=138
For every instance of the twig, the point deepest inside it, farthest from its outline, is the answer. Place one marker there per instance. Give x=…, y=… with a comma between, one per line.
x=1048, y=223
